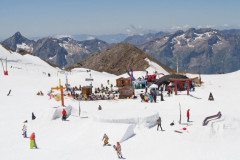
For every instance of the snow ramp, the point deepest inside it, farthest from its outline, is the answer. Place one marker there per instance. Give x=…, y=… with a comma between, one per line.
x=142, y=116
x=58, y=112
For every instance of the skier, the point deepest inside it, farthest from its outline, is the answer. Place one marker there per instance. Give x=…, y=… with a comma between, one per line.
x=33, y=116
x=24, y=129
x=118, y=148
x=105, y=140
x=32, y=141
x=64, y=115
x=188, y=115
x=159, y=123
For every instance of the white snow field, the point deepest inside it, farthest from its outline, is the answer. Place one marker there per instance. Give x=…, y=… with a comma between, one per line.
x=122, y=120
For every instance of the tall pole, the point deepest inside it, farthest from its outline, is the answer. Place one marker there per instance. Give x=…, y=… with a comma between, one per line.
x=66, y=78
x=61, y=89
x=177, y=63
x=180, y=115
x=79, y=109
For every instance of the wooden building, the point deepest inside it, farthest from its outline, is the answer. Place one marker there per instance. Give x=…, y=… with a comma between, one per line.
x=122, y=82
x=86, y=90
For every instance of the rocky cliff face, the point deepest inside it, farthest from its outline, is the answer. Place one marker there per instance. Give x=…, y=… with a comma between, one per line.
x=49, y=50
x=197, y=50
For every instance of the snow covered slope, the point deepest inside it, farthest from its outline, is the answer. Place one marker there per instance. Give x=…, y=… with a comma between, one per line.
x=81, y=138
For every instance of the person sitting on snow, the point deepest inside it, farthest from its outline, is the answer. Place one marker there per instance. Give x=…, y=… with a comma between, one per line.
x=210, y=98
x=64, y=115
x=32, y=141
x=99, y=107
x=105, y=140
x=33, y=116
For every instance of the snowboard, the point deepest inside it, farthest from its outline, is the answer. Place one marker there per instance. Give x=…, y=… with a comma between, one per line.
x=178, y=131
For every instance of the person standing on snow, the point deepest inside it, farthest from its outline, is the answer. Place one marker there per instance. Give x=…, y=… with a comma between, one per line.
x=24, y=129
x=64, y=115
x=188, y=115
x=118, y=149
x=159, y=123
x=105, y=140
x=32, y=141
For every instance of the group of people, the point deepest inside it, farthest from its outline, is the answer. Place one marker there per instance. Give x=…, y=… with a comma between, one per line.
x=40, y=93
x=116, y=147
x=33, y=143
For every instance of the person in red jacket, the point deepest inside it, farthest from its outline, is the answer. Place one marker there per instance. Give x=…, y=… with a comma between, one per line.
x=32, y=141
x=118, y=148
x=188, y=115
x=64, y=115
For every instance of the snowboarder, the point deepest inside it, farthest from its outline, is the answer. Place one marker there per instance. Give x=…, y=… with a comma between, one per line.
x=64, y=115
x=188, y=115
x=32, y=141
x=210, y=98
x=24, y=129
x=105, y=140
x=118, y=149
x=159, y=123
x=99, y=107
x=33, y=116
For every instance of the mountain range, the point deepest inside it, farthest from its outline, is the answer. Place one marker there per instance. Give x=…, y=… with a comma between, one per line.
x=62, y=52
x=203, y=50
x=198, y=50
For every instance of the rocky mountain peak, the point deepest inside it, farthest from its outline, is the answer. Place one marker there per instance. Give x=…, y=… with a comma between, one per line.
x=117, y=59
x=18, y=42
x=17, y=34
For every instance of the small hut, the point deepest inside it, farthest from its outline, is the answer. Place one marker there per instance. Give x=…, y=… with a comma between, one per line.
x=122, y=82
x=87, y=90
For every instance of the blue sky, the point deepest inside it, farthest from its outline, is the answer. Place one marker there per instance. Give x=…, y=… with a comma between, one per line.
x=48, y=17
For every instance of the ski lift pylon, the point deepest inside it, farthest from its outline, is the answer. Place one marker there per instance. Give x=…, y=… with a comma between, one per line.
x=5, y=71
